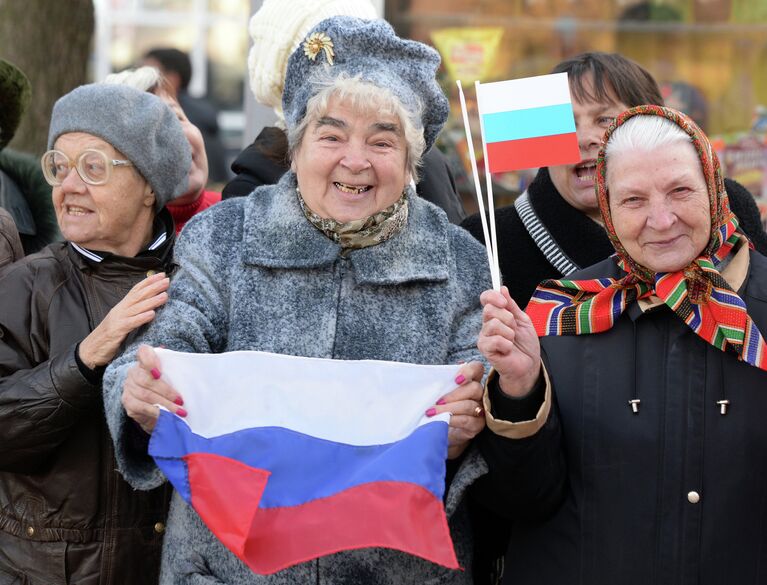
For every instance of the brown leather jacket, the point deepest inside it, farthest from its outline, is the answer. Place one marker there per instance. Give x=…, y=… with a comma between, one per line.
x=66, y=515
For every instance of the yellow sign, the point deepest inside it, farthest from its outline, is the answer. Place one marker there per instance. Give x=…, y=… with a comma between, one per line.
x=468, y=53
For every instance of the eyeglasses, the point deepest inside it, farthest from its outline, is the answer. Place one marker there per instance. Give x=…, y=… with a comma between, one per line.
x=93, y=166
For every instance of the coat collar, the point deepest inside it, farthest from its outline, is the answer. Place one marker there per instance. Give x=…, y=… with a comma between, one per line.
x=582, y=239
x=159, y=257
x=277, y=235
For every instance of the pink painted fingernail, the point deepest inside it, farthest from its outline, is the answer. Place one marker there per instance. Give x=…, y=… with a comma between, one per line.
x=179, y=401
x=460, y=379
x=181, y=412
x=431, y=412
x=441, y=401
x=155, y=373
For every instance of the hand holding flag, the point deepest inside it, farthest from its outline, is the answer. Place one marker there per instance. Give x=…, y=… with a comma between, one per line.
x=145, y=389
x=509, y=342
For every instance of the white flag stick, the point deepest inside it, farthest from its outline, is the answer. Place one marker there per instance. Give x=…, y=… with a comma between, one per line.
x=495, y=271
x=477, y=187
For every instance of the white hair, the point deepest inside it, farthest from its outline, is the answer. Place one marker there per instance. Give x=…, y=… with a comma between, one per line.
x=144, y=79
x=362, y=97
x=644, y=133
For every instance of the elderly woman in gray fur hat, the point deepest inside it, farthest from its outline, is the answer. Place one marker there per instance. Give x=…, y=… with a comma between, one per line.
x=338, y=260
x=117, y=157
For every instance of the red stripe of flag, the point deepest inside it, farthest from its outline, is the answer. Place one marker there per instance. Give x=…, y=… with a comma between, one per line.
x=529, y=153
x=389, y=514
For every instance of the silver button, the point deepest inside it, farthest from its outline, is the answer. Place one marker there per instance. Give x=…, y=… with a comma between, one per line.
x=693, y=497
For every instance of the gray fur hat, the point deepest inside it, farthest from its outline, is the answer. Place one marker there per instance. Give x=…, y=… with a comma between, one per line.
x=371, y=50
x=136, y=123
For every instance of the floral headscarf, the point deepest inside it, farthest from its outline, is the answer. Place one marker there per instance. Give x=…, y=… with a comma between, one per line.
x=698, y=294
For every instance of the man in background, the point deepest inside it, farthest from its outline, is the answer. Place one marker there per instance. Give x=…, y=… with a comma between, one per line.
x=177, y=70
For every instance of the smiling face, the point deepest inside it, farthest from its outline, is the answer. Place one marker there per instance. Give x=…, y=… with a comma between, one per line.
x=351, y=164
x=575, y=183
x=659, y=205
x=116, y=217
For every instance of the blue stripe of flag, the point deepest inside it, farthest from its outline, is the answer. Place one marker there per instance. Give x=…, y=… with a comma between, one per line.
x=529, y=123
x=304, y=468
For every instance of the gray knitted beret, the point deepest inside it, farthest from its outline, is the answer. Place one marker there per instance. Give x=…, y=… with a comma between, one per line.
x=138, y=124
x=371, y=50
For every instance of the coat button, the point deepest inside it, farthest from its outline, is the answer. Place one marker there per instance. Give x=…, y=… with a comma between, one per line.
x=159, y=528
x=30, y=530
x=693, y=497
x=151, y=273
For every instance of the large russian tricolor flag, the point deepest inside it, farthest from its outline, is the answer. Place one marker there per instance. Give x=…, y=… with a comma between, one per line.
x=528, y=123
x=287, y=459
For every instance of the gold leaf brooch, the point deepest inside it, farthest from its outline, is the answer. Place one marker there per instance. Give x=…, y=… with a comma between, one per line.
x=317, y=42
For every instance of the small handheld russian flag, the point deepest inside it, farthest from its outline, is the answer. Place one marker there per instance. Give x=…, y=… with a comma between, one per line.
x=525, y=123
x=528, y=123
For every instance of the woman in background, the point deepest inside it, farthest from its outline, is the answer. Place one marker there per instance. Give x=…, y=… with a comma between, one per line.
x=196, y=198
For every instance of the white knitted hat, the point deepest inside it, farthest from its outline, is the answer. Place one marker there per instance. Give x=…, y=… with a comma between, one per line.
x=278, y=28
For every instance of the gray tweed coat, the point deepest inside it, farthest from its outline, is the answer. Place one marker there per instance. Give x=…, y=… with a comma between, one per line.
x=256, y=275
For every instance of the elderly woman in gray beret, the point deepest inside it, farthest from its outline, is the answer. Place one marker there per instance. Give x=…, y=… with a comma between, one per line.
x=338, y=260
x=117, y=156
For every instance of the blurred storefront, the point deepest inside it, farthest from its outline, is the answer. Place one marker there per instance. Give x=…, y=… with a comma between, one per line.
x=213, y=32
x=710, y=57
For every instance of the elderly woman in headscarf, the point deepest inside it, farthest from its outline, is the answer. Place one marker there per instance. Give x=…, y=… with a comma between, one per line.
x=117, y=156
x=648, y=466
x=338, y=260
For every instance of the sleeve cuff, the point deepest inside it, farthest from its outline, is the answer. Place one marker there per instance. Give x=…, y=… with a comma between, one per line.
x=72, y=386
x=137, y=440
x=94, y=377
x=536, y=406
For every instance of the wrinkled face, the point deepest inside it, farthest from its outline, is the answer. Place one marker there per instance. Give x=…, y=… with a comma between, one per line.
x=198, y=172
x=351, y=165
x=659, y=205
x=576, y=182
x=115, y=217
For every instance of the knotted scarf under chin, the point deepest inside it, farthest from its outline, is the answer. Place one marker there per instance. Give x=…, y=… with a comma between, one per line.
x=361, y=233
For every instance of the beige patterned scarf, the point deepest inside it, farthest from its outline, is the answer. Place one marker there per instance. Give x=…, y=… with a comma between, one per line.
x=361, y=233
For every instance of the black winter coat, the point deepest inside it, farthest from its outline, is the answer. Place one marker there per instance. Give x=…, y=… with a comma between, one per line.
x=265, y=161
x=523, y=265
x=66, y=514
x=673, y=494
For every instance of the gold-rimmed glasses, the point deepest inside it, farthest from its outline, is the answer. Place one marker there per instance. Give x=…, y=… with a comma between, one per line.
x=93, y=166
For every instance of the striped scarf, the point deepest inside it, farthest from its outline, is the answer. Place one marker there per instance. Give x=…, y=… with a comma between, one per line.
x=698, y=294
